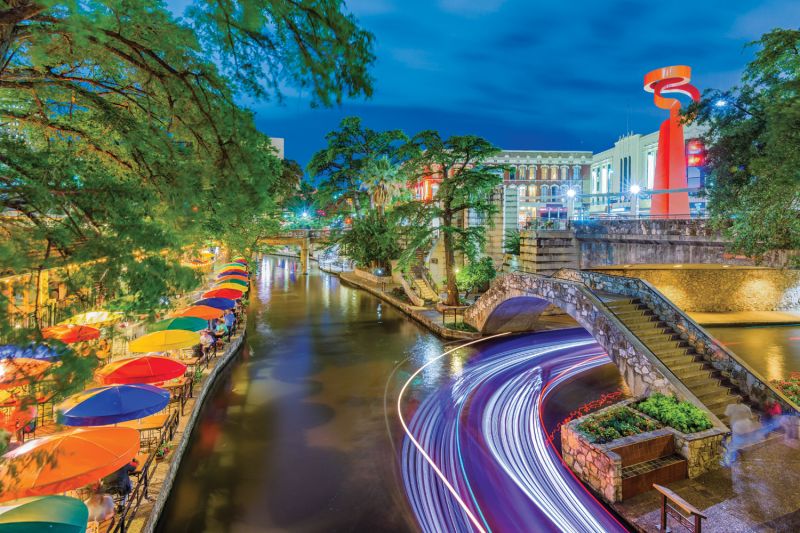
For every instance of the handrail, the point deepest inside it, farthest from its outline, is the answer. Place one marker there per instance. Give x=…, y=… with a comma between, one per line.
x=689, y=326
x=668, y=502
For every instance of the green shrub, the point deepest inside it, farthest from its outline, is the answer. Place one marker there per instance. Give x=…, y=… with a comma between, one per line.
x=790, y=387
x=615, y=424
x=682, y=416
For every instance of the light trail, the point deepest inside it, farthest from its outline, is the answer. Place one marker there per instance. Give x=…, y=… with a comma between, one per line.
x=481, y=437
x=417, y=444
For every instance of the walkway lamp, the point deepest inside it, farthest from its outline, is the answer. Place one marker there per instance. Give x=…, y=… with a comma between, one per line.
x=571, y=193
x=635, y=190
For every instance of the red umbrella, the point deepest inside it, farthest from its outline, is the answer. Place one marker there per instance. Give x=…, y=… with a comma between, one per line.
x=228, y=294
x=69, y=333
x=144, y=369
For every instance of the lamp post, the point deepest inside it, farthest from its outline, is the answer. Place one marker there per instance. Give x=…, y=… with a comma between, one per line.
x=635, y=190
x=570, y=202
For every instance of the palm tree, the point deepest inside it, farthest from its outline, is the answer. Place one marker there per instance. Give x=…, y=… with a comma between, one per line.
x=385, y=182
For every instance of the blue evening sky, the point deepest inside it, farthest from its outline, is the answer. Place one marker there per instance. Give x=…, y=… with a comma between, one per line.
x=531, y=74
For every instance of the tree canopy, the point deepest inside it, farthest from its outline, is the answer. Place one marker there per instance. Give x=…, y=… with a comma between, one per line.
x=121, y=145
x=753, y=144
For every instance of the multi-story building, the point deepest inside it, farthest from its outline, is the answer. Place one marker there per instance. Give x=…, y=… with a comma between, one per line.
x=632, y=161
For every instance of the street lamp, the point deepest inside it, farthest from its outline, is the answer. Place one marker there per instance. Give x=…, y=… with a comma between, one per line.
x=570, y=202
x=635, y=190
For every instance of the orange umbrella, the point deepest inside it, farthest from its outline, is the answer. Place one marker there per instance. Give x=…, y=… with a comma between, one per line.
x=200, y=311
x=227, y=293
x=69, y=333
x=21, y=371
x=65, y=461
x=234, y=277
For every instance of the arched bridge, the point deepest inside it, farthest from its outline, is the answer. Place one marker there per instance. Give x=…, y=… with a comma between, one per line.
x=302, y=238
x=656, y=346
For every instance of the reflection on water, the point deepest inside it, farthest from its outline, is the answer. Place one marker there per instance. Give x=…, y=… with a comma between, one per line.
x=301, y=434
x=772, y=351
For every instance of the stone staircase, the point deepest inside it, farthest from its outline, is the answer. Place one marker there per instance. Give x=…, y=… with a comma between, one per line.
x=645, y=462
x=706, y=383
x=425, y=290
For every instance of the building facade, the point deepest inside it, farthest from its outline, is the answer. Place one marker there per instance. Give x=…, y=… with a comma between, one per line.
x=632, y=161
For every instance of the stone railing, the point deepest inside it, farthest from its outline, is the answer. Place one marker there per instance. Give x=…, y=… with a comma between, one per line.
x=411, y=291
x=758, y=390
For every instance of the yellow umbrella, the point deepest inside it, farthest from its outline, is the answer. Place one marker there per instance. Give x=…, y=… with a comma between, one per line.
x=233, y=286
x=95, y=318
x=162, y=341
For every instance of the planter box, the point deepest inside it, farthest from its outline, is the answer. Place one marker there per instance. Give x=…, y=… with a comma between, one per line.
x=610, y=468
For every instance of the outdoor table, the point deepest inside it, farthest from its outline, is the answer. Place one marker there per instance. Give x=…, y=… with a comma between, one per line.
x=149, y=428
x=180, y=389
x=141, y=461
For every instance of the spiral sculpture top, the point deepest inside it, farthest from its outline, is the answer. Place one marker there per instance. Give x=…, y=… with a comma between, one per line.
x=674, y=79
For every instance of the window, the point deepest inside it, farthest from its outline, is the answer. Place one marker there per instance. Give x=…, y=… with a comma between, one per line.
x=625, y=174
x=523, y=191
x=651, y=168
x=554, y=191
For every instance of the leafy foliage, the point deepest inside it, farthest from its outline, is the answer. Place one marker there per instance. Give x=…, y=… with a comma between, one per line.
x=467, y=183
x=513, y=242
x=354, y=157
x=683, y=416
x=614, y=424
x=476, y=276
x=790, y=387
x=372, y=241
x=753, y=144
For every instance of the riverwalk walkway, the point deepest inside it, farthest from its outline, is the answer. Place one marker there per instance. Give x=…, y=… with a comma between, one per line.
x=162, y=477
x=747, y=318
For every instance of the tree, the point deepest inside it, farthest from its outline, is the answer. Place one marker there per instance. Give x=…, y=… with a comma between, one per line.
x=754, y=149
x=513, y=242
x=121, y=144
x=373, y=240
x=386, y=182
x=476, y=276
x=467, y=183
x=341, y=168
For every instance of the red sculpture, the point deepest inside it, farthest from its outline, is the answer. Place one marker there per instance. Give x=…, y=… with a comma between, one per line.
x=671, y=160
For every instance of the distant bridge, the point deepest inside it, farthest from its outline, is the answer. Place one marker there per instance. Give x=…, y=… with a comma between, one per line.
x=302, y=238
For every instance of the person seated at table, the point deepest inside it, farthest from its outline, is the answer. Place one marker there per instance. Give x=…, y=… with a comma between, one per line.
x=100, y=504
x=120, y=481
x=220, y=331
x=207, y=342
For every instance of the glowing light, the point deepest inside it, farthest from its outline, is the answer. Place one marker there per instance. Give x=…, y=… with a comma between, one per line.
x=720, y=103
x=571, y=193
x=635, y=189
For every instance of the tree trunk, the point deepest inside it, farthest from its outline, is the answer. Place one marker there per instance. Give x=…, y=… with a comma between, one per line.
x=449, y=259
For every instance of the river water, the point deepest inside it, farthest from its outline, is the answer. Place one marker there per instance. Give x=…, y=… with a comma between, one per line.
x=301, y=432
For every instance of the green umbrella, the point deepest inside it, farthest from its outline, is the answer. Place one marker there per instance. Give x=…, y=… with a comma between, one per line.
x=189, y=323
x=53, y=514
x=232, y=265
x=234, y=281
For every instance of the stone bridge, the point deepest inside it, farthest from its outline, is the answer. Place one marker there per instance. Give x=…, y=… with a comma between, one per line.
x=634, y=340
x=302, y=238
x=515, y=301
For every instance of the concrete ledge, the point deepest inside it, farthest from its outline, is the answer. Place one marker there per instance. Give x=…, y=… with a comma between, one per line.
x=421, y=315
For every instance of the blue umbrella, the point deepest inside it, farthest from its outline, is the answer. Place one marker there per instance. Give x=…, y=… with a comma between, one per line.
x=112, y=404
x=217, y=303
x=31, y=351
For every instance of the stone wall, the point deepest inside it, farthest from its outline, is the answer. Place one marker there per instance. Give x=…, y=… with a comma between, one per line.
x=709, y=290
x=619, y=242
x=600, y=469
x=748, y=381
x=372, y=278
x=643, y=372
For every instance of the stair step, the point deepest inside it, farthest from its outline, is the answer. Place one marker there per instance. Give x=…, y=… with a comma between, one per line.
x=685, y=375
x=687, y=367
x=649, y=466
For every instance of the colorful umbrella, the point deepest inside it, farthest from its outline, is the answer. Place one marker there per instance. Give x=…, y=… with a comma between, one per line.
x=232, y=286
x=95, y=318
x=168, y=339
x=65, y=461
x=232, y=265
x=189, y=323
x=234, y=280
x=69, y=333
x=227, y=293
x=53, y=514
x=219, y=303
x=233, y=272
x=31, y=351
x=145, y=369
x=200, y=311
x=112, y=404
x=21, y=371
